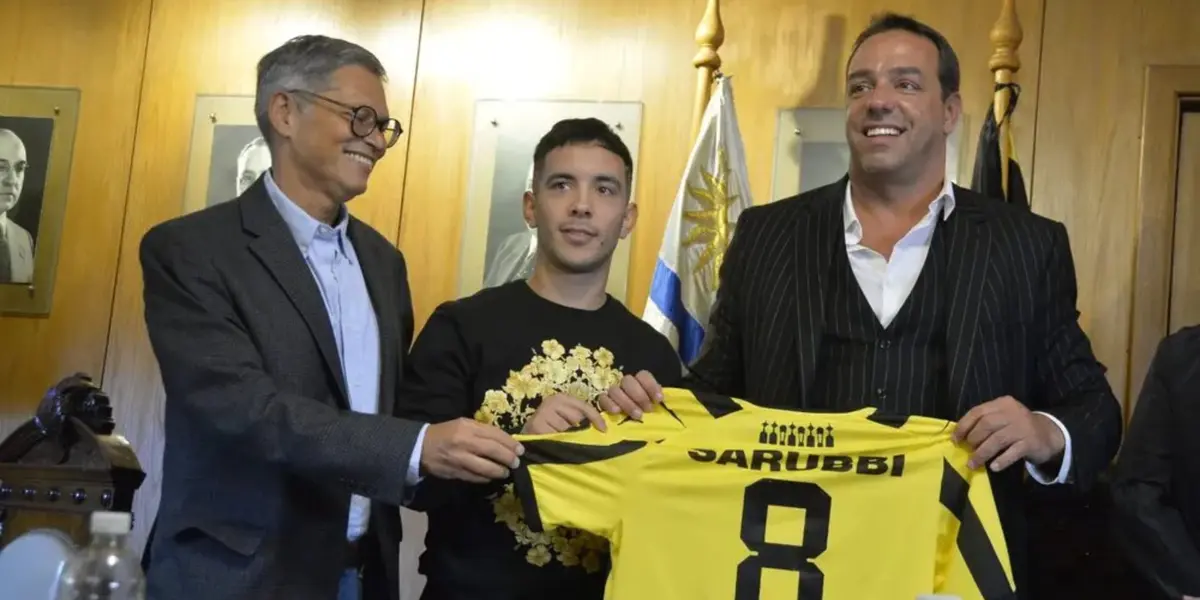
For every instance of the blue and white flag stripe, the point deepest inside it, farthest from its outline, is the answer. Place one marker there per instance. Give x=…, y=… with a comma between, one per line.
x=683, y=289
x=666, y=307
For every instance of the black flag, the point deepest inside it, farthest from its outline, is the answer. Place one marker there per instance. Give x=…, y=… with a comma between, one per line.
x=987, y=176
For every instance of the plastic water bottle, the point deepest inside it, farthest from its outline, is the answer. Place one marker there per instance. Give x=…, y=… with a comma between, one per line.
x=106, y=569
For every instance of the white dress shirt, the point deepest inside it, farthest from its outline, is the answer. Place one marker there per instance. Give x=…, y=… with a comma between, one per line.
x=888, y=283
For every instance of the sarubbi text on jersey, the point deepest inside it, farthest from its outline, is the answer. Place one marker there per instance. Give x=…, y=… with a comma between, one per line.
x=790, y=460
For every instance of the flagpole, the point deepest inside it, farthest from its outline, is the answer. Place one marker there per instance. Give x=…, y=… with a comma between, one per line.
x=710, y=34
x=1006, y=36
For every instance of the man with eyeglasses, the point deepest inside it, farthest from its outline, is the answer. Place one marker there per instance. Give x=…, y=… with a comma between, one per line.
x=281, y=325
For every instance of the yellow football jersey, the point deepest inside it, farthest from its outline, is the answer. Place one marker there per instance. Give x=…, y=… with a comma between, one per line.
x=710, y=497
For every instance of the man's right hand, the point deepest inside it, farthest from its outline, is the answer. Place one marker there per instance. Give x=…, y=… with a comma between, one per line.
x=468, y=450
x=633, y=396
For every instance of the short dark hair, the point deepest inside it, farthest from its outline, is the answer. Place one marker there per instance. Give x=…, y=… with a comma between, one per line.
x=949, y=75
x=306, y=62
x=582, y=131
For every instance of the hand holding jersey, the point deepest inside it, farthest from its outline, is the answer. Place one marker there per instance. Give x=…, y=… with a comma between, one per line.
x=633, y=395
x=561, y=412
x=1002, y=429
x=467, y=450
x=742, y=495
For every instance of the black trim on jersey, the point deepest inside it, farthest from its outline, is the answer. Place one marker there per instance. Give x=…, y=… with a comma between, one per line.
x=523, y=485
x=629, y=418
x=559, y=452
x=973, y=543
x=889, y=419
x=554, y=452
x=717, y=405
x=580, y=426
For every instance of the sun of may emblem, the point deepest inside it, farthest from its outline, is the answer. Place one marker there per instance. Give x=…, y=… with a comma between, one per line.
x=710, y=224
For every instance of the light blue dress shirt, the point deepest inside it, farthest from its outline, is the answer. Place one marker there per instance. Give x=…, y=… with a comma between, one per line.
x=334, y=265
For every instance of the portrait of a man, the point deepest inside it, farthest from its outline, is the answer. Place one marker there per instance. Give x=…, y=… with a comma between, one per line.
x=512, y=258
x=252, y=162
x=239, y=157
x=24, y=152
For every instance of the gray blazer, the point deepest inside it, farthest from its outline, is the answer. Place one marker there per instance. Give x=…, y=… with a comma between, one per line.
x=262, y=452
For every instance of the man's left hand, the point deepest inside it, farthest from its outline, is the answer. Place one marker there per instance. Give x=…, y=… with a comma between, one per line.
x=1004, y=430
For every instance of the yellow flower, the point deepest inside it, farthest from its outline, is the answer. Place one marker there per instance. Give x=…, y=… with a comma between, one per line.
x=580, y=390
x=552, y=349
x=507, y=504
x=496, y=401
x=572, y=364
x=614, y=377
x=568, y=558
x=541, y=538
x=538, y=556
x=599, y=380
x=557, y=373
x=526, y=388
x=483, y=415
x=591, y=562
x=604, y=358
x=580, y=353
x=510, y=385
x=530, y=371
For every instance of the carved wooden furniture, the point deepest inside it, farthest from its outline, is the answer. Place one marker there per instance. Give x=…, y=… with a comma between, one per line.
x=65, y=463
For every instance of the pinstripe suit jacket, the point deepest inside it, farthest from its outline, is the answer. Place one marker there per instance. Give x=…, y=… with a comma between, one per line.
x=262, y=453
x=1012, y=325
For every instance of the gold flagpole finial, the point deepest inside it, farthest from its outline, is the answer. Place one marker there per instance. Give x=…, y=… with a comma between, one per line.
x=710, y=34
x=1006, y=36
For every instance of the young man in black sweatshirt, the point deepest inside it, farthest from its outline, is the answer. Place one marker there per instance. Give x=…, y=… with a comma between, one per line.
x=532, y=356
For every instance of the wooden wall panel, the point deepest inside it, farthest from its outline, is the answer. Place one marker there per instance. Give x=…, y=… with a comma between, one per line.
x=781, y=53
x=212, y=47
x=1088, y=146
x=98, y=48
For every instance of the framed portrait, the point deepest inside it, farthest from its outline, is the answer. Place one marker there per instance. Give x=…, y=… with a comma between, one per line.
x=497, y=244
x=227, y=152
x=811, y=150
x=37, y=139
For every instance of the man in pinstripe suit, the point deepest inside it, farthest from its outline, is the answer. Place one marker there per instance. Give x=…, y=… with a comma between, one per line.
x=897, y=289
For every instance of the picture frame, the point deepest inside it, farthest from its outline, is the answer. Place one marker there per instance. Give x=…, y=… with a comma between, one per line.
x=505, y=133
x=37, y=141
x=227, y=152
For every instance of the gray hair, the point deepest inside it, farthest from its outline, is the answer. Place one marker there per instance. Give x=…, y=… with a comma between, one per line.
x=306, y=62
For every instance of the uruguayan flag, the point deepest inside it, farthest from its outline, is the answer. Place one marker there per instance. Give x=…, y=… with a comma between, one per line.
x=714, y=191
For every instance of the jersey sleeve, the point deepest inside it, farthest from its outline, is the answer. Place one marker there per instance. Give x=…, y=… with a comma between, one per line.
x=563, y=483
x=577, y=478
x=975, y=560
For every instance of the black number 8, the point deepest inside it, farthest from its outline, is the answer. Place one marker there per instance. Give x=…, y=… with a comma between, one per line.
x=791, y=494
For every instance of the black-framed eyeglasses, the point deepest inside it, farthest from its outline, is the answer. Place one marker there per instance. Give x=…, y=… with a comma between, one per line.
x=363, y=119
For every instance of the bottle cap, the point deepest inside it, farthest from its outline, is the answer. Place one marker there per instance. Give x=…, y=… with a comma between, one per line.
x=111, y=523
